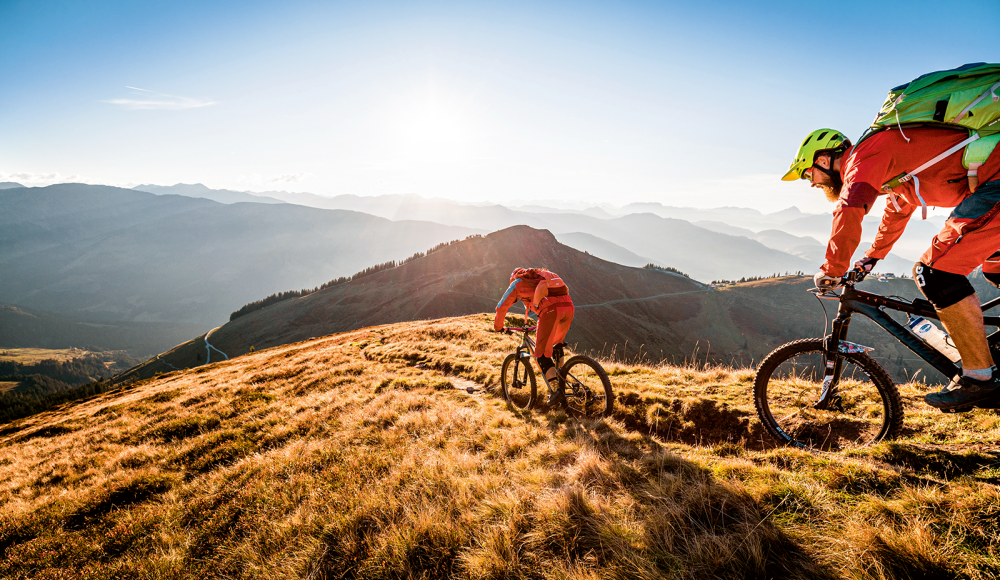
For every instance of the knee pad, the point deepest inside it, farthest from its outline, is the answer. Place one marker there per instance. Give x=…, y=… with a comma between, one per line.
x=545, y=363
x=942, y=289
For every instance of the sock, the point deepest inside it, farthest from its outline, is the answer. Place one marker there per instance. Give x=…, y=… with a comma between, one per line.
x=979, y=374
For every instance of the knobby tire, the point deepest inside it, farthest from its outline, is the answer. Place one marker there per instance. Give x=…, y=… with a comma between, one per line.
x=592, y=395
x=517, y=380
x=870, y=410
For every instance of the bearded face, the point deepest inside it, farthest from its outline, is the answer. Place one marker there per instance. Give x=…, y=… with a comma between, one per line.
x=830, y=184
x=832, y=191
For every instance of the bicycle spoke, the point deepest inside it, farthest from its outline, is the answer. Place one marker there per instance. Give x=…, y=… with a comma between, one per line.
x=790, y=383
x=517, y=379
x=588, y=390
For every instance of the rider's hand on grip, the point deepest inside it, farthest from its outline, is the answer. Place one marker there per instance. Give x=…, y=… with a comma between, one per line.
x=864, y=267
x=826, y=283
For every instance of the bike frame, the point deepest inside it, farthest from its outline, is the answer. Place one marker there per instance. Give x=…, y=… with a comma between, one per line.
x=873, y=306
x=527, y=347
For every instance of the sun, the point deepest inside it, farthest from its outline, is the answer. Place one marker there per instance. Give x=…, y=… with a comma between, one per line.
x=433, y=124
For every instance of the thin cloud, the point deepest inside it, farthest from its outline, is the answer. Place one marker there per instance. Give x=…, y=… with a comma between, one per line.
x=43, y=179
x=160, y=101
x=255, y=179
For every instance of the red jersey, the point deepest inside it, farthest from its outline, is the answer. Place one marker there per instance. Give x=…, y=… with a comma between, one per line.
x=524, y=289
x=882, y=157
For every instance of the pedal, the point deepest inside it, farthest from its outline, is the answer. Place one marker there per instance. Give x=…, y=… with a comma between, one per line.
x=962, y=409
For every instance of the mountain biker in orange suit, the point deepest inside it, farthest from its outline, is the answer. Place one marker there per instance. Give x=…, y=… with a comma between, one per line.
x=852, y=177
x=545, y=294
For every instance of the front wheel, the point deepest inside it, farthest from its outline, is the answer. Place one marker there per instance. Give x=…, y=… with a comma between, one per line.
x=588, y=388
x=517, y=379
x=864, y=407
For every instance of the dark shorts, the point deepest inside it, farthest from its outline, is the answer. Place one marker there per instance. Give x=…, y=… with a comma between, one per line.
x=971, y=235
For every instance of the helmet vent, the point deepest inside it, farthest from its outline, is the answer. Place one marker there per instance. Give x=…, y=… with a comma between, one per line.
x=821, y=135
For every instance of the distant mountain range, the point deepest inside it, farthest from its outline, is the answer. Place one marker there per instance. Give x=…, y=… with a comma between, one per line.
x=661, y=312
x=632, y=312
x=190, y=254
x=789, y=231
x=199, y=190
x=117, y=254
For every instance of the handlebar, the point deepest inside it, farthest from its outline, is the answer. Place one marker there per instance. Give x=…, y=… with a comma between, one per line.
x=509, y=329
x=851, y=278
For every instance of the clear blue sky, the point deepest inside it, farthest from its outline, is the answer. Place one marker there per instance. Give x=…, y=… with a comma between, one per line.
x=688, y=103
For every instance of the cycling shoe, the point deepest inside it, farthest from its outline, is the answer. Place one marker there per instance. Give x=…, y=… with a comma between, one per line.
x=991, y=402
x=964, y=393
x=556, y=395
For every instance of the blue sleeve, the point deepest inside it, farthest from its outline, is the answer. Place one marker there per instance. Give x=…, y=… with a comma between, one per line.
x=507, y=294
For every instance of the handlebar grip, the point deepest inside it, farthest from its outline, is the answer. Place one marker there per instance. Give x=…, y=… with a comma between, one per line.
x=855, y=276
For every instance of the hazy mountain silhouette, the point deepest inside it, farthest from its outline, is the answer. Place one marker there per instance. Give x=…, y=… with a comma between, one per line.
x=201, y=191
x=603, y=249
x=664, y=313
x=9, y=185
x=121, y=254
x=704, y=254
x=629, y=311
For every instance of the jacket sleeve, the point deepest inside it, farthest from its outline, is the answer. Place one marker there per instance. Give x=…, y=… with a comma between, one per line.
x=893, y=223
x=857, y=199
x=509, y=297
x=844, y=239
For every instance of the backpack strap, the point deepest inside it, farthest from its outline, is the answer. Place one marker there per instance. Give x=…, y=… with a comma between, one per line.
x=990, y=91
x=907, y=176
x=975, y=155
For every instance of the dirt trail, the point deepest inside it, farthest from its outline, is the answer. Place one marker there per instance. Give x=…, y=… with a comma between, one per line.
x=209, y=347
x=620, y=300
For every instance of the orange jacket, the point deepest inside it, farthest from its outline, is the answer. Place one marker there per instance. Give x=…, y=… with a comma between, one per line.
x=880, y=158
x=523, y=289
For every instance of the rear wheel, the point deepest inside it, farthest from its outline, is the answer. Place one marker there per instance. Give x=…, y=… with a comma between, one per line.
x=517, y=379
x=864, y=409
x=588, y=388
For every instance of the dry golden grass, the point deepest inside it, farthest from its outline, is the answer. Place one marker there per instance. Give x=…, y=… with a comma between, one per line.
x=352, y=456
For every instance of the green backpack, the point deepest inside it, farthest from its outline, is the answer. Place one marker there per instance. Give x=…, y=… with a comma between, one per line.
x=966, y=98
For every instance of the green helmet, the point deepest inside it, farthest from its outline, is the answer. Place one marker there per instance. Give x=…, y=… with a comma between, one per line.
x=816, y=142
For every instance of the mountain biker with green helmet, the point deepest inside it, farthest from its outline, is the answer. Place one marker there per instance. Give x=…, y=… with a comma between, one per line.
x=853, y=178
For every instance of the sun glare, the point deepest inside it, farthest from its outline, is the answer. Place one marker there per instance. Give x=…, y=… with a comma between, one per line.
x=433, y=125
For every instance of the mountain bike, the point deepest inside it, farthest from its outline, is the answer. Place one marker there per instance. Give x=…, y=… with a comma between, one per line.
x=586, y=384
x=828, y=393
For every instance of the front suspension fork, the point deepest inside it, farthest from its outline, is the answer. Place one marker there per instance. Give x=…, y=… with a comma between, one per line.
x=834, y=362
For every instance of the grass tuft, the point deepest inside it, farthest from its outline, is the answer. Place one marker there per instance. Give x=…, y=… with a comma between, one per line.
x=354, y=456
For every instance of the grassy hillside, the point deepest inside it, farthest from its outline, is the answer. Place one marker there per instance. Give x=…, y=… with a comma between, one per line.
x=629, y=314
x=355, y=456
x=629, y=311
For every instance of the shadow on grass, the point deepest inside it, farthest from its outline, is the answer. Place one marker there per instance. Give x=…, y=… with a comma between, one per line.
x=683, y=523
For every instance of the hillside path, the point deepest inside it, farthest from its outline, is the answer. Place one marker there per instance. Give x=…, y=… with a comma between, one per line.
x=209, y=347
x=579, y=306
